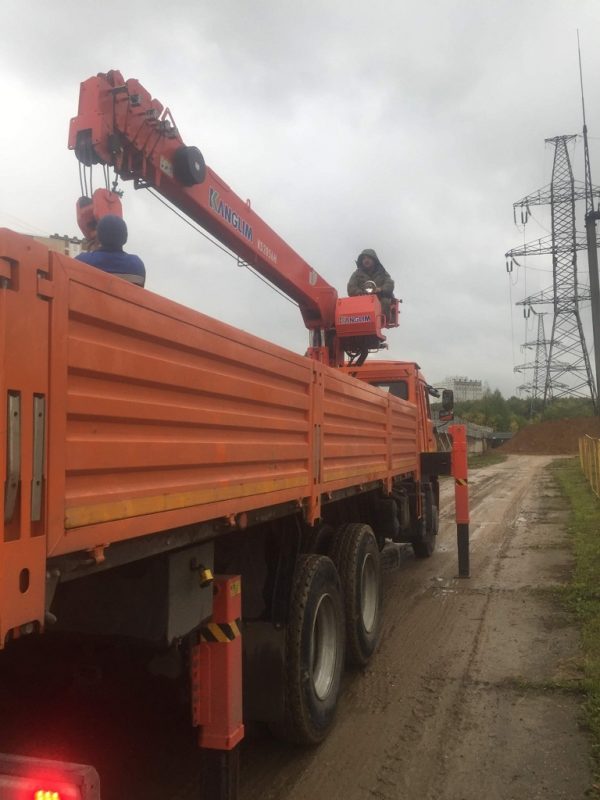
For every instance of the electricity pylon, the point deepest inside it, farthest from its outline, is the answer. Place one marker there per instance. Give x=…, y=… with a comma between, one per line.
x=568, y=372
x=534, y=389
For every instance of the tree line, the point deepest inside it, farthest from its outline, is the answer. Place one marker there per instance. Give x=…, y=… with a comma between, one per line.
x=501, y=414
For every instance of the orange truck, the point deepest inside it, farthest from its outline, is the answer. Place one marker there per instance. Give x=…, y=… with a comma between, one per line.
x=252, y=488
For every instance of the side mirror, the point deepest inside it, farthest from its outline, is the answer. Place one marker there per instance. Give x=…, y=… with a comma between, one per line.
x=447, y=411
x=447, y=400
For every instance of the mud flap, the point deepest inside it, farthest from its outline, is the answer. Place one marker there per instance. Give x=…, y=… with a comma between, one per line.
x=264, y=671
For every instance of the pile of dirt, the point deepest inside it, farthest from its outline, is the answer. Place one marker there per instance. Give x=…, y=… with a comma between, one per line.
x=553, y=437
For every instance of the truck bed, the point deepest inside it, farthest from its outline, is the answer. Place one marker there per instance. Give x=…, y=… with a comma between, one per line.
x=157, y=416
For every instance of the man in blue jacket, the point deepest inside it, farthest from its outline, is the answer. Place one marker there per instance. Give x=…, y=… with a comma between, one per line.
x=110, y=256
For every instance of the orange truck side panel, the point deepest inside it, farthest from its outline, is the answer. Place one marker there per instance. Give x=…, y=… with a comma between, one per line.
x=379, y=371
x=159, y=416
x=167, y=410
x=356, y=442
x=24, y=374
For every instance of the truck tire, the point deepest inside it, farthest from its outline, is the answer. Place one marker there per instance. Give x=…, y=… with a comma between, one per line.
x=424, y=543
x=317, y=539
x=356, y=555
x=314, y=658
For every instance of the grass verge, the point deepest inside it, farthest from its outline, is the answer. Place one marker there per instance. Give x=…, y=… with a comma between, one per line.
x=582, y=594
x=486, y=459
x=540, y=687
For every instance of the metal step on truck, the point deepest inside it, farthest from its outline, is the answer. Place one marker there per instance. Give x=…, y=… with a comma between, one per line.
x=171, y=479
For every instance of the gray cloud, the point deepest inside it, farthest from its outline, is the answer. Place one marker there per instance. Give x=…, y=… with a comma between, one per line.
x=407, y=127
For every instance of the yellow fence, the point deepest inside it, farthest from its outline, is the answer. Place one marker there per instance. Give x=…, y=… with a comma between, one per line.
x=589, y=456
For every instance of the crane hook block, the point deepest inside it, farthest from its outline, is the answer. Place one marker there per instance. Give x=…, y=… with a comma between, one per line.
x=91, y=209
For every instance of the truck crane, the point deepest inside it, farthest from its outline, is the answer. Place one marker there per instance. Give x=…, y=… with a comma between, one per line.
x=252, y=488
x=120, y=125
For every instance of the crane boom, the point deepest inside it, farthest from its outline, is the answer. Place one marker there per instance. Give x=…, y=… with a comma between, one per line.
x=121, y=125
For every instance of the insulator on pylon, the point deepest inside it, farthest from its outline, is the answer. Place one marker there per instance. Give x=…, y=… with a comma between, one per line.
x=515, y=215
x=509, y=266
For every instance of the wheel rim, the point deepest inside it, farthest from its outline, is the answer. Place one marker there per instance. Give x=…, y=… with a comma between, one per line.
x=324, y=647
x=369, y=594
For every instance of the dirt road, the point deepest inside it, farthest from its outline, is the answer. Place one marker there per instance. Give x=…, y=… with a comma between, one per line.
x=456, y=704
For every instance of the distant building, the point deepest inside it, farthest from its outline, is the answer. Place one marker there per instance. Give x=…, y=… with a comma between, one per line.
x=67, y=245
x=464, y=389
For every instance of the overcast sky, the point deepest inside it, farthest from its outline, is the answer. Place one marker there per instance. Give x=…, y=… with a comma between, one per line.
x=407, y=127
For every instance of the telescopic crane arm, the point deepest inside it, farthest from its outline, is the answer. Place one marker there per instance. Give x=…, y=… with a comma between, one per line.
x=119, y=124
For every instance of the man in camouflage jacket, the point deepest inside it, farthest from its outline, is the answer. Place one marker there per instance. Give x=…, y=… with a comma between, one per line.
x=370, y=268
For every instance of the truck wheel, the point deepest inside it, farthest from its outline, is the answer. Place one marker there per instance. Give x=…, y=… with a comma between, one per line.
x=356, y=555
x=424, y=543
x=314, y=651
x=317, y=540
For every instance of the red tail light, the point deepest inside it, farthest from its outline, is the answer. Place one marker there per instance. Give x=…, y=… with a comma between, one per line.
x=24, y=778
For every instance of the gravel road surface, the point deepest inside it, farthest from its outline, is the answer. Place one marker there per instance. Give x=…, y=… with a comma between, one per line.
x=455, y=705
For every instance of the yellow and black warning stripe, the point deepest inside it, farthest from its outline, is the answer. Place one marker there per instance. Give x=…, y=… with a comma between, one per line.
x=461, y=481
x=220, y=631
